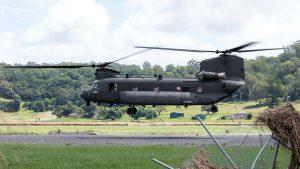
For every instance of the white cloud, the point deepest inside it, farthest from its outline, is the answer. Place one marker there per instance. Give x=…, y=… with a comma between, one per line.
x=79, y=30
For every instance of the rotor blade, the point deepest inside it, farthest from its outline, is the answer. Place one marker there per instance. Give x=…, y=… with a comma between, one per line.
x=255, y=50
x=176, y=49
x=51, y=66
x=125, y=57
x=236, y=49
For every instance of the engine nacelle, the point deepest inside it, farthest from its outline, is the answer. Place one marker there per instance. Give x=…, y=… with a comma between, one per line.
x=204, y=75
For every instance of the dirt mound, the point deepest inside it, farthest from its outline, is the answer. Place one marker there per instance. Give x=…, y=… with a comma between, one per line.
x=200, y=161
x=284, y=122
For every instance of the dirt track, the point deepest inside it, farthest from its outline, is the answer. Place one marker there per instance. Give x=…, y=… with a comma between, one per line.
x=130, y=140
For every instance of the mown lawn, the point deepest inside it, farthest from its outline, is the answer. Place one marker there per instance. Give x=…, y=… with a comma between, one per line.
x=134, y=130
x=21, y=156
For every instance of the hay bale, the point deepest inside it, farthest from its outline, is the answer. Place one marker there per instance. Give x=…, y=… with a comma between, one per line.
x=284, y=122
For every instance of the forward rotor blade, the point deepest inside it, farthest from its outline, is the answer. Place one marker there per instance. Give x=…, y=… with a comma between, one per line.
x=255, y=50
x=125, y=57
x=176, y=49
x=236, y=49
x=51, y=66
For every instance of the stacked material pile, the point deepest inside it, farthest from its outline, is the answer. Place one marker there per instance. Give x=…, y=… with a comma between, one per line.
x=284, y=122
x=200, y=161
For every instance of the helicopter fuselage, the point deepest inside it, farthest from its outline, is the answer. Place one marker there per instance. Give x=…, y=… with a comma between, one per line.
x=160, y=91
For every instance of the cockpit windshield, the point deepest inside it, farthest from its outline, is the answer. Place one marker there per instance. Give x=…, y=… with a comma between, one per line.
x=95, y=85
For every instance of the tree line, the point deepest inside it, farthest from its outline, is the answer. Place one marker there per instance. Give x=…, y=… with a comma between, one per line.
x=58, y=90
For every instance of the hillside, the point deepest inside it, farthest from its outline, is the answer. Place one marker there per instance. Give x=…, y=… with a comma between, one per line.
x=51, y=89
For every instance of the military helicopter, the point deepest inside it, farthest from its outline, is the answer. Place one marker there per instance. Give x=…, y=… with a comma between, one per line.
x=217, y=79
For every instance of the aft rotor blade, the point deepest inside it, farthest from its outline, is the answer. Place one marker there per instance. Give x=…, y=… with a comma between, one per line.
x=51, y=66
x=238, y=48
x=255, y=50
x=177, y=49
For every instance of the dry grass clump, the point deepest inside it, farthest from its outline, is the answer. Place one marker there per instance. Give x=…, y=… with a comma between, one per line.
x=284, y=122
x=200, y=161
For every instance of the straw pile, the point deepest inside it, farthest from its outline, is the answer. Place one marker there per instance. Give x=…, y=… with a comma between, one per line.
x=284, y=122
x=200, y=161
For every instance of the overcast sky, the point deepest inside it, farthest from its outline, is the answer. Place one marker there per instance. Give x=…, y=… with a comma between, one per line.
x=52, y=31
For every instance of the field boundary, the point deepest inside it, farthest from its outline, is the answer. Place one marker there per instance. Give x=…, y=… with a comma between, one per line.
x=119, y=124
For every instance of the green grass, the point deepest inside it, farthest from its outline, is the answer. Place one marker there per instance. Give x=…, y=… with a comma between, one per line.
x=224, y=109
x=26, y=156
x=244, y=156
x=132, y=130
x=140, y=128
x=70, y=157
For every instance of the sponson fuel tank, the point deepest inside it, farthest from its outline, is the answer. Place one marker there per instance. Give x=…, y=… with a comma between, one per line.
x=166, y=98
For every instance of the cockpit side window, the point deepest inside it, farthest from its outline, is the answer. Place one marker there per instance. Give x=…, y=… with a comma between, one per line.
x=113, y=87
x=96, y=85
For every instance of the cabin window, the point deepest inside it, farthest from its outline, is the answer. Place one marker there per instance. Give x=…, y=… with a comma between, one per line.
x=113, y=87
x=199, y=90
x=135, y=89
x=185, y=89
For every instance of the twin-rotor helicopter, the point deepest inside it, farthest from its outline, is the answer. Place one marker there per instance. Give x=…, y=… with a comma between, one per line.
x=216, y=79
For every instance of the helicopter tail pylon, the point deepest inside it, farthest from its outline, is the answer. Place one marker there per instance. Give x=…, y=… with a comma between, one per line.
x=232, y=66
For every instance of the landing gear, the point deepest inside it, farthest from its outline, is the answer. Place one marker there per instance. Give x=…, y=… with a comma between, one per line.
x=131, y=111
x=214, y=108
x=87, y=103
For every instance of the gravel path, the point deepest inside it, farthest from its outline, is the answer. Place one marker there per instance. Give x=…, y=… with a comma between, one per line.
x=131, y=140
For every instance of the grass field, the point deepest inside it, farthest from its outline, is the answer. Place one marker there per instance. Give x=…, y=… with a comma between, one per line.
x=165, y=126
x=224, y=109
x=21, y=156
x=132, y=130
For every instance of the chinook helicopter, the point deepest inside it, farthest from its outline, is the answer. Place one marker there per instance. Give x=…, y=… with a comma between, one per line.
x=217, y=79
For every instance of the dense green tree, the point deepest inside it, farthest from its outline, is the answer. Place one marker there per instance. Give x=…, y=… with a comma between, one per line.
x=58, y=89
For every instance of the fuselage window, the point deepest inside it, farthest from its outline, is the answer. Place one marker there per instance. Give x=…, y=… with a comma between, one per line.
x=185, y=89
x=156, y=89
x=113, y=87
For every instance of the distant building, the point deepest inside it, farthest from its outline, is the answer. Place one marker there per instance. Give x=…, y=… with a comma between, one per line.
x=176, y=115
x=201, y=116
x=241, y=115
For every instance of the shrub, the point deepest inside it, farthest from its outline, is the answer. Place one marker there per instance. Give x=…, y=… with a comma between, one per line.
x=150, y=114
x=66, y=110
x=113, y=113
x=88, y=111
x=10, y=106
x=249, y=116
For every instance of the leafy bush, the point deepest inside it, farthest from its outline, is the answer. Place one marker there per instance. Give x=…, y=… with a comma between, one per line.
x=249, y=116
x=113, y=113
x=151, y=114
x=67, y=110
x=88, y=111
x=148, y=113
x=37, y=106
x=10, y=106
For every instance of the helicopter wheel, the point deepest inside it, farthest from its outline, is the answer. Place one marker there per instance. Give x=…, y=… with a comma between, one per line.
x=131, y=111
x=87, y=103
x=214, y=108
